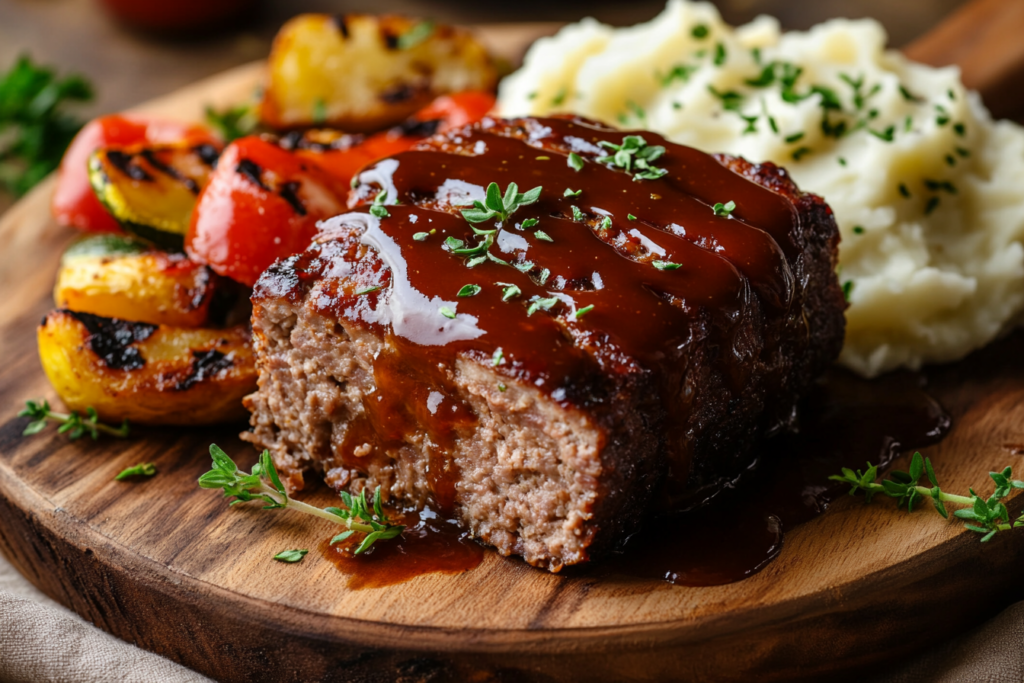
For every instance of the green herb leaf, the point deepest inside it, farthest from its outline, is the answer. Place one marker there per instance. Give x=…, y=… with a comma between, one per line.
x=726, y=209
x=543, y=236
x=540, y=304
x=700, y=31
x=145, y=469
x=235, y=122
x=72, y=424
x=509, y=291
x=497, y=358
x=469, y=290
x=290, y=556
x=583, y=311
x=416, y=35
x=666, y=265
x=529, y=223
x=421, y=236
x=570, y=193
x=379, y=211
x=575, y=161
x=447, y=312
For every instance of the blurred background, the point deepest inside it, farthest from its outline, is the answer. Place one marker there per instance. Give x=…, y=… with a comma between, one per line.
x=133, y=50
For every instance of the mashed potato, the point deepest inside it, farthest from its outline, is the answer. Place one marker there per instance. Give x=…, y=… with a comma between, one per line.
x=927, y=189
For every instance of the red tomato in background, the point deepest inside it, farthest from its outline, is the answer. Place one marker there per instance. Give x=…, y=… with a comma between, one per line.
x=451, y=111
x=261, y=204
x=74, y=202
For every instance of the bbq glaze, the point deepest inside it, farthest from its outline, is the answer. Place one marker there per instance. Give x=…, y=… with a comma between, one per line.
x=735, y=286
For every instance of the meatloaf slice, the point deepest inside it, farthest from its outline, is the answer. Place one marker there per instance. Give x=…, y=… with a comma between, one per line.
x=551, y=373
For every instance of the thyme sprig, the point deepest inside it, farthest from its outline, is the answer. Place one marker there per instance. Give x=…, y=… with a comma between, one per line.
x=986, y=516
x=358, y=516
x=73, y=424
x=496, y=206
x=634, y=156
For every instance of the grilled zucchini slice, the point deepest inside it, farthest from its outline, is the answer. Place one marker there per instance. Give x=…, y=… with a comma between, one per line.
x=147, y=374
x=118, y=276
x=151, y=190
x=362, y=73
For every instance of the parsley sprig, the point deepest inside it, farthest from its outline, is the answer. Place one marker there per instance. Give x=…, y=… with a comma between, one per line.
x=986, y=516
x=73, y=424
x=359, y=515
x=34, y=128
x=634, y=156
x=233, y=122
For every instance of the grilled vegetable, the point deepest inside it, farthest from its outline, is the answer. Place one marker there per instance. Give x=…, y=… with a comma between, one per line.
x=121, y=277
x=151, y=190
x=363, y=73
x=148, y=374
x=262, y=204
x=74, y=202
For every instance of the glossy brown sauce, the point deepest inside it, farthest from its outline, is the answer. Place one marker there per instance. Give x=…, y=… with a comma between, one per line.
x=845, y=422
x=429, y=544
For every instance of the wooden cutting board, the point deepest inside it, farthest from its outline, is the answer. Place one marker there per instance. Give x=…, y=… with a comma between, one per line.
x=171, y=568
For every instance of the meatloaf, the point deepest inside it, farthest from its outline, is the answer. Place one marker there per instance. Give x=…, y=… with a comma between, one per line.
x=547, y=372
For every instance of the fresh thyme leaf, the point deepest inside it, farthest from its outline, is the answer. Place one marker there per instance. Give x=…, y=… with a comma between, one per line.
x=540, y=304
x=575, y=161
x=233, y=122
x=634, y=156
x=583, y=311
x=498, y=207
x=577, y=215
x=367, y=290
x=606, y=223
x=357, y=514
x=379, y=211
x=341, y=537
x=529, y=223
x=630, y=217
x=35, y=128
x=453, y=243
x=543, y=236
x=416, y=35
x=497, y=358
x=72, y=424
x=666, y=265
x=290, y=556
x=146, y=469
x=469, y=290
x=447, y=312
x=421, y=236
x=570, y=193
x=726, y=209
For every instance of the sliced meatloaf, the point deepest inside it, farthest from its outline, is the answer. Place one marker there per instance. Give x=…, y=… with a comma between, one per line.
x=548, y=372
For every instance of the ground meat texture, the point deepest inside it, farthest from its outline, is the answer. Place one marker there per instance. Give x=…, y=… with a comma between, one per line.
x=625, y=358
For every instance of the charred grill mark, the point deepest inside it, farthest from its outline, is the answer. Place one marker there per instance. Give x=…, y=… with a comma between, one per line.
x=168, y=170
x=207, y=154
x=341, y=25
x=200, y=292
x=298, y=139
x=398, y=93
x=111, y=339
x=125, y=162
x=205, y=365
x=414, y=128
x=252, y=172
x=288, y=192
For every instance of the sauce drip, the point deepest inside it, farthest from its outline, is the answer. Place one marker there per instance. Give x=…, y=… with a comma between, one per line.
x=844, y=422
x=429, y=544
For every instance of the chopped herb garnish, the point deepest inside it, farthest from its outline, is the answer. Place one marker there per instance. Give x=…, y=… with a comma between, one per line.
x=498, y=356
x=963, y=152
x=847, y=289
x=421, y=236
x=730, y=99
x=559, y=98
x=606, y=223
x=575, y=161
x=454, y=243
x=416, y=35
x=529, y=223
x=936, y=185
x=235, y=122
x=543, y=236
x=543, y=158
x=677, y=105
x=570, y=193
x=72, y=424
x=907, y=95
x=720, y=54
x=475, y=261
x=502, y=388
x=146, y=469
x=577, y=215
x=377, y=209
x=447, y=312
x=583, y=311
x=764, y=79
x=886, y=135
x=726, y=209
x=700, y=31
x=959, y=129
x=263, y=484
x=634, y=156
x=931, y=205
x=950, y=160
x=842, y=161
x=794, y=137
x=510, y=291
x=469, y=290
x=858, y=230
x=290, y=556
x=679, y=72
x=539, y=304
x=904, y=191
x=666, y=265
x=319, y=111
x=367, y=290
x=800, y=153
x=630, y=217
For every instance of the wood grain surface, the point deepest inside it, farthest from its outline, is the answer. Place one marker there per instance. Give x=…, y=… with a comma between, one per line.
x=171, y=568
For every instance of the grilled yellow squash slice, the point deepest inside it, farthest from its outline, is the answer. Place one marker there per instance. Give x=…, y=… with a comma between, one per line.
x=152, y=190
x=148, y=374
x=362, y=73
x=117, y=276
